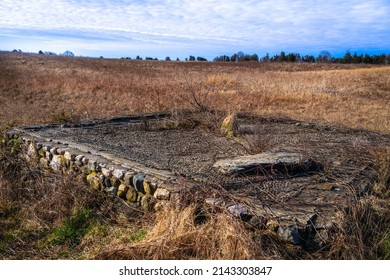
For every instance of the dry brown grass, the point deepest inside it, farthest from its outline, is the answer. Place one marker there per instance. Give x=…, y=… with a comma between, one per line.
x=178, y=235
x=36, y=89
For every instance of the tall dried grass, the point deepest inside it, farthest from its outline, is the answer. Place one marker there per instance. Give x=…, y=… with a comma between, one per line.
x=178, y=235
x=35, y=89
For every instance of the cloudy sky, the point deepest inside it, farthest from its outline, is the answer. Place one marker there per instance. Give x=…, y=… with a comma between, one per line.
x=179, y=28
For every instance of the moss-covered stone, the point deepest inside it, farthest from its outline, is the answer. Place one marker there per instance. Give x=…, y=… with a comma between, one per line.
x=229, y=126
x=58, y=162
x=122, y=191
x=148, y=188
x=94, y=181
x=145, y=202
x=131, y=195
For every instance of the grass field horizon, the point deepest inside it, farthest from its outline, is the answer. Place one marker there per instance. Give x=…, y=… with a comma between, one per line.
x=52, y=88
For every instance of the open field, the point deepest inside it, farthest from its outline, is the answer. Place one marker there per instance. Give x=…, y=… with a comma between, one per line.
x=38, y=89
x=336, y=114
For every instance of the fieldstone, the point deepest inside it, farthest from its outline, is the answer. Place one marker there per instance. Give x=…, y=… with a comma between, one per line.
x=79, y=158
x=162, y=194
x=38, y=146
x=291, y=234
x=214, y=201
x=229, y=125
x=239, y=210
x=69, y=156
x=85, y=160
x=106, y=172
x=54, y=151
x=94, y=181
x=31, y=151
x=46, y=148
x=107, y=182
x=263, y=163
x=148, y=188
x=122, y=190
x=93, y=165
x=57, y=162
x=48, y=155
x=145, y=201
x=128, y=178
x=131, y=195
x=138, y=182
x=62, y=151
x=119, y=173
x=112, y=190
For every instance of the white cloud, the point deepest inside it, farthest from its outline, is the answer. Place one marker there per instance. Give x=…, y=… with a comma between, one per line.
x=246, y=24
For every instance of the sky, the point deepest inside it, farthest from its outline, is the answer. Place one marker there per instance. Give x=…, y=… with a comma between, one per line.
x=207, y=28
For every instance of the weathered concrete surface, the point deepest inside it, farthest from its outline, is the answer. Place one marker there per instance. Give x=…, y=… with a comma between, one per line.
x=284, y=162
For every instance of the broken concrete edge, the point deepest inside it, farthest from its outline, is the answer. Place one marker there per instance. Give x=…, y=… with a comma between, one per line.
x=97, y=121
x=288, y=163
x=131, y=181
x=303, y=229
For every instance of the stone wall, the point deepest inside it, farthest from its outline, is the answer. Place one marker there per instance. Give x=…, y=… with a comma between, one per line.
x=131, y=181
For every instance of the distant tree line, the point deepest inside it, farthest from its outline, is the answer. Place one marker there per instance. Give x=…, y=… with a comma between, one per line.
x=190, y=58
x=324, y=56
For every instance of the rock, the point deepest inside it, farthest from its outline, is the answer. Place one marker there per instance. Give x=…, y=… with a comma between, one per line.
x=54, y=151
x=79, y=158
x=145, y=201
x=131, y=195
x=128, y=178
x=31, y=152
x=229, y=125
x=85, y=160
x=106, y=172
x=93, y=165
x=268, y=162
x=122, y=191
x=112, y=190
x=239, y=210
x=46, y=148
x=214, y=201
x=48, y=155
x=148, y=188
x=119, y=173
x=138, y=182
x=94, y=181
x=57, y=162
x=69, y=156
x=162, y=194
x=290, y=234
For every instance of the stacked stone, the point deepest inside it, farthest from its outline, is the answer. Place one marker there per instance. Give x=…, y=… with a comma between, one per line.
x=130, y=184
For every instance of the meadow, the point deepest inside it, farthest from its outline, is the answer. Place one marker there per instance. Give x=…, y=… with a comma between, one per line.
x=55, y=216
x=39, y=89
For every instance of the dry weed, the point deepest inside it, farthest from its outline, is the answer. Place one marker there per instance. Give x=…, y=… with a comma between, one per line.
x=178, y=235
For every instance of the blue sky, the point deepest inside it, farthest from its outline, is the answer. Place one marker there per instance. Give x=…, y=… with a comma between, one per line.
x=160, y=28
